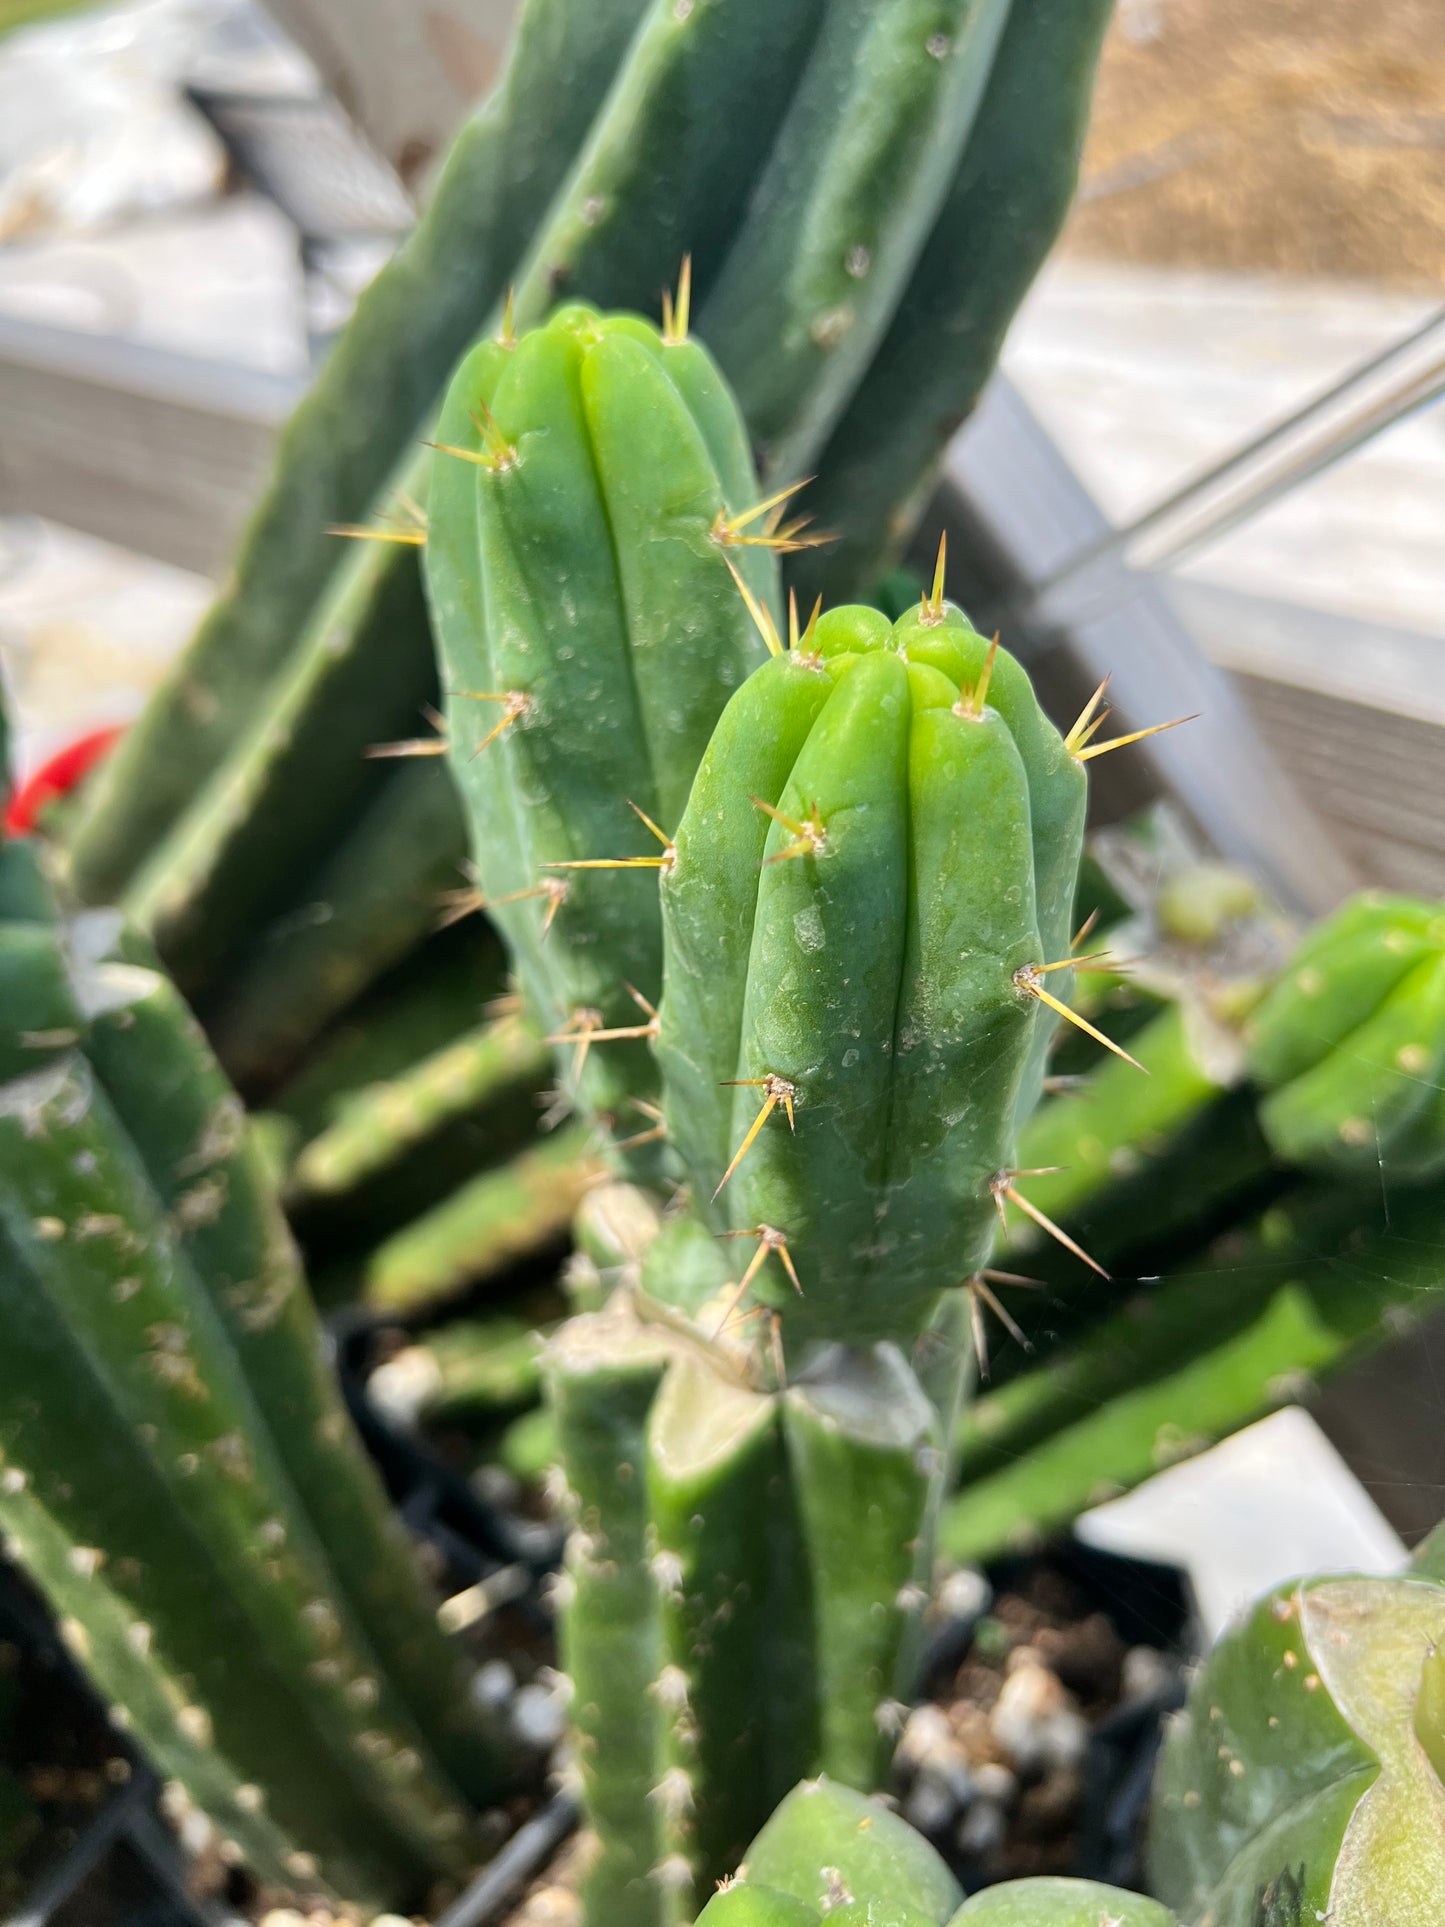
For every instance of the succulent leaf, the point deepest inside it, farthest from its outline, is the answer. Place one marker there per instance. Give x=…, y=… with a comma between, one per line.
x=1295, y=1785
x=1046, y=1902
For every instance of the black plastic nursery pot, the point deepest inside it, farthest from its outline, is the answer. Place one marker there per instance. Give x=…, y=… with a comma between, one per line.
x=1109, y=1639
x=83, y=1840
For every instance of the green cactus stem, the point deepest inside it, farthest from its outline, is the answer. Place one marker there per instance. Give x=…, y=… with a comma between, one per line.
x=126, y=1408
x=1099, y=1133
x=177, y=1109
x=1048, y=1902
x=603, y=1379
x=756, y=1907
x=608, y=457
x=148, y=1702
x=860, y=168
x=24, y=888
x=660, y=173
x=1001, y=214
x=438, y=993
x=741, y=1582
x=1320, y=1281
x=370, y=904
x=41, y=1016
x=503, y=1063
x=829, y=1855
x=521, y=1208
x=864, y=1449
x=470, y=1371
x=872, y=882
x=1349, y=1047
x=829, y=1847
x=1296, y=1786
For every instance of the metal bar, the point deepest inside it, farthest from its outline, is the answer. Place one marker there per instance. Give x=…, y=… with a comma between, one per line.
x=521, y=1860
x=57, y=1886
x=160, y=453
x=1405, y=377
x=1016, y=516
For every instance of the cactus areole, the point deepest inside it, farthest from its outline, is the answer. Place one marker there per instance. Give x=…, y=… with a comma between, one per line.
x=870, y=891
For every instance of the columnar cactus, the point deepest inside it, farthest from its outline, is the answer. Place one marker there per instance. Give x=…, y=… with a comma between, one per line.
x=860, y=168
x=865, y=192
x=738, y=1591
x=1324, y=1062
x=666, y=168
x=176, y=1469
x=867, y=907
x=590, y=503
x=409, y=327
x=1001, y=214
x=1349, y=1046
x=1304, y=1781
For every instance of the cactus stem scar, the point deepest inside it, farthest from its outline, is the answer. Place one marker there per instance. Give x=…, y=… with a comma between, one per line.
x=770, y=1239
x=1026, y=980
x=809, y=836
x=1003, y=1188
x=675, y=315
x=776, y=1090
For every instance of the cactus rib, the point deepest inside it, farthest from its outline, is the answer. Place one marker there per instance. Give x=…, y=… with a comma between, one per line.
x=117, y=1278
x=500, y=1216
x=854, y=978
